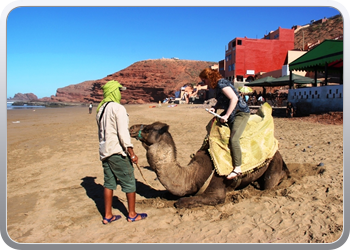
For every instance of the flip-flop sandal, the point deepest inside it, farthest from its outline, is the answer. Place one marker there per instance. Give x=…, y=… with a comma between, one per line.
x=143, y=216
x=110, y=220
x=237, y=175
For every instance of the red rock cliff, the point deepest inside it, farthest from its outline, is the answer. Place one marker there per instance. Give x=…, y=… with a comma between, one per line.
x=146, y=81
x=152, y=80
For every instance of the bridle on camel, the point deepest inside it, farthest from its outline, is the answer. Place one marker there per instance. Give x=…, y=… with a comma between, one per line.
x=139, y=136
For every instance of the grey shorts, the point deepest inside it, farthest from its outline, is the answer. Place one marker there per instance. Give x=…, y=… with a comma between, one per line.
x=118, y=167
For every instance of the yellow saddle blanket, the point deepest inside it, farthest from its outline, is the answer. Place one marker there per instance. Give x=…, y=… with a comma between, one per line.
x=258, y=142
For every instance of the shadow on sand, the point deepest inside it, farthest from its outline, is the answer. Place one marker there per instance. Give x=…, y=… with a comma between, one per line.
x=95, y=192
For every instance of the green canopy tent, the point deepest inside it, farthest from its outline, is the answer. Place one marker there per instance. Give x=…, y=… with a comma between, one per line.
x=263, y=82
x=285, y=80
x=327, y=56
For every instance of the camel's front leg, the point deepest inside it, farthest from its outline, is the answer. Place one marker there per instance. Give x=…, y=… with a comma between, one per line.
x=197, y=201
x=214, y=194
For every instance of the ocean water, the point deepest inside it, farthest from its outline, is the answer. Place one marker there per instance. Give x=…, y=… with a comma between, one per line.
x=9, y=106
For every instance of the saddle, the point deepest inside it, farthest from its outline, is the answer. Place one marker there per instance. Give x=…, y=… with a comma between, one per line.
x=258, y=143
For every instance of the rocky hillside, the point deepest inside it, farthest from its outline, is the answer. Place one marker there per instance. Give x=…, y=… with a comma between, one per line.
x=311, y=35
x=146, y=81
x=29, y=97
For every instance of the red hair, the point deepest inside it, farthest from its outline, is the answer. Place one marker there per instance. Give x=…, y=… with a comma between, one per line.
x=213, y=75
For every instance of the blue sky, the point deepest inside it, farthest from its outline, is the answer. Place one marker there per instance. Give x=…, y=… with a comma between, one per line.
x=53, y=47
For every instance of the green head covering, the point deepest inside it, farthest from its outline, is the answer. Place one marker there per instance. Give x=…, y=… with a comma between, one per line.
x=111, y=92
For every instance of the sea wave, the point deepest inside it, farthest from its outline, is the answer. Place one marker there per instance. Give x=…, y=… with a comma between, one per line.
x=25, y=106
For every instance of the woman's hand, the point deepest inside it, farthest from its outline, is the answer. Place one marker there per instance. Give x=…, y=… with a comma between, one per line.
x=212, y=110
x=224, y=118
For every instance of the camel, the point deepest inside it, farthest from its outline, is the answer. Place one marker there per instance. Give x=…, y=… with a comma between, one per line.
x=198, y=184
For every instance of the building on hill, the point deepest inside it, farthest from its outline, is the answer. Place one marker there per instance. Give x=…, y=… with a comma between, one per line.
x=245, y=58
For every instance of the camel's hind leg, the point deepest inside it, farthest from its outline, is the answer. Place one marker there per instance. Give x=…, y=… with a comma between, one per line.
x=275, y=173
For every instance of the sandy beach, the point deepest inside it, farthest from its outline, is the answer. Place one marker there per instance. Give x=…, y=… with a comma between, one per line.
x=55, y=184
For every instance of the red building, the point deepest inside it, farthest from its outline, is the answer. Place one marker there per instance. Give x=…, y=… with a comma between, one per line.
x=245, y=58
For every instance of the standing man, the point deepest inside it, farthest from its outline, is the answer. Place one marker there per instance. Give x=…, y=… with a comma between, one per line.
x=116, y=151
x=90, y=107
x=289, y=110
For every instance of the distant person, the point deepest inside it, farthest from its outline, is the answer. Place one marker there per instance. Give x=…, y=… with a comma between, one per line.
x=253, y=100
x=289, y=110
x=202, y=89
x=90, y=108
x=116, y=152
x=236, y=113
x=261, y=99
x=182, y=92
x=190, y=93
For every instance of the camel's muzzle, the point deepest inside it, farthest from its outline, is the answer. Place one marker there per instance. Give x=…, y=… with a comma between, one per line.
x=136, y=134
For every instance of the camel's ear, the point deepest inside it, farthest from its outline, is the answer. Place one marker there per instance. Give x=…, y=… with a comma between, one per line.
x=163, y=129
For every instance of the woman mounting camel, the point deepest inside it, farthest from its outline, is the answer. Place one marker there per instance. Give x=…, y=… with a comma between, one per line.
x=236, y=113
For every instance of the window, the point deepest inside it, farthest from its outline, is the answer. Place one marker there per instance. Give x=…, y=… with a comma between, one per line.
x=234, y=44
x=239, y=42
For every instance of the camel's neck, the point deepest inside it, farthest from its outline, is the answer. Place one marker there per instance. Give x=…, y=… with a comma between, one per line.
x=162, y=158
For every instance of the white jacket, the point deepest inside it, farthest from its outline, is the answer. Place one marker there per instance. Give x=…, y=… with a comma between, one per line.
x=113, y=133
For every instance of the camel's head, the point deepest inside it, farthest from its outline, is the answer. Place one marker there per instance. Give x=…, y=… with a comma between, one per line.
x=148, y=134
